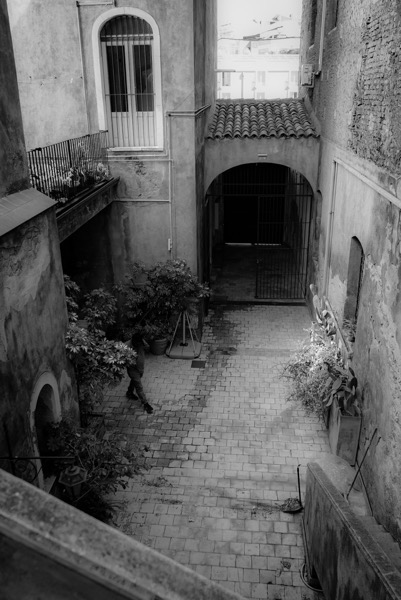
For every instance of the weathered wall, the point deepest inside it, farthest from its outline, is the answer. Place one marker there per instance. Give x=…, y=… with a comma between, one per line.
x=205, y=32
x=342, y=550
x=33, y=324
x=356, y=100
x=162, y=189
x=301, y=155
x=49, y=549
x=13, y=163
x=49, y=68
x=86, y=254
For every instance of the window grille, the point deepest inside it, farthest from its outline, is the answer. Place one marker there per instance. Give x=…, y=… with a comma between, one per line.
x=128, y=79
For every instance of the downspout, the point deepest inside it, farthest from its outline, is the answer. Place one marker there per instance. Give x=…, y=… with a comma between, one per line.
x=322, y=28
x=169, y=115
x=329, y=233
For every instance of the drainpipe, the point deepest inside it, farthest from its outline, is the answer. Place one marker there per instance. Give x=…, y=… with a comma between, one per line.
x=322, y=27
x=329, y=233
x=173, y=222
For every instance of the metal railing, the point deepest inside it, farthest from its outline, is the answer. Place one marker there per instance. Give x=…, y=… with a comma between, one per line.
x=65, y=170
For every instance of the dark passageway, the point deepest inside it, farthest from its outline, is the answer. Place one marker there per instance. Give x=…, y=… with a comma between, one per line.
x=264, y=216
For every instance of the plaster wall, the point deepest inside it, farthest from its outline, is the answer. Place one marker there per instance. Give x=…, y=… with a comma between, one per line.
x=341, y=547
x=49, y=68
x=302, y=155
x=60, y=86
x=13, y=162
x=159, y=185
x=365, y=207
x=32, y=327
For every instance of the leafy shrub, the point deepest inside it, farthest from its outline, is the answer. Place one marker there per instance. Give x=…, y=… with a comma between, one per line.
x=154, y=296
x=310, y=371
x=98, y=361
x=108, y=462
x=317, y=376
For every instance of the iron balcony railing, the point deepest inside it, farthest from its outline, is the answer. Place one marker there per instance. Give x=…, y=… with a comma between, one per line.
x=68, y=169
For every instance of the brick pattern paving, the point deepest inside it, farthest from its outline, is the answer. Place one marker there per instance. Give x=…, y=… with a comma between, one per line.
x=222, y=449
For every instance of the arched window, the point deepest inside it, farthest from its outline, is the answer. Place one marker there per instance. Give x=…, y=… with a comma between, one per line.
x=354, y=280
x=127, y=63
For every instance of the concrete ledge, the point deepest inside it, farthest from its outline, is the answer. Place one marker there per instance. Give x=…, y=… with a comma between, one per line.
x=348, y=560
x=49, y=549
x=76, y=214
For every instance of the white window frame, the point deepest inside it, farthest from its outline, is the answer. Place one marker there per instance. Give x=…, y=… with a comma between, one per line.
x=100, y=84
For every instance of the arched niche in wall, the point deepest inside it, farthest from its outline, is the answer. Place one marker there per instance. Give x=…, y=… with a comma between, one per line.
x=354, y=280
x=45, y=408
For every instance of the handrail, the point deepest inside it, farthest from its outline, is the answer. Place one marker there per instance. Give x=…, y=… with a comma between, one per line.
x=64, y=170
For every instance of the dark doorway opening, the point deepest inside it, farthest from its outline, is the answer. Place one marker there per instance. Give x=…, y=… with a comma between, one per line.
x=264, y=211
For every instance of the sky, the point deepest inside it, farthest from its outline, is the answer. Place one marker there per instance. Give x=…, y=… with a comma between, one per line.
x=242, y=13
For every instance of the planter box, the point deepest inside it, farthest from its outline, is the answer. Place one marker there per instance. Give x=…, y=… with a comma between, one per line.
x=344, y=434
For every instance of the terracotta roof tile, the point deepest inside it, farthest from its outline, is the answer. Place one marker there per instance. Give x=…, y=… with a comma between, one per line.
x=263, y=118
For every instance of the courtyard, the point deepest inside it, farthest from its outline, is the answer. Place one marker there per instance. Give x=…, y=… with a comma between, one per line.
x=221, y=452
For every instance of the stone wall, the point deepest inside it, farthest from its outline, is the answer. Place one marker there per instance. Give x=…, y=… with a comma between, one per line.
x=32, y=329
x=376, y=114
x=356, y=100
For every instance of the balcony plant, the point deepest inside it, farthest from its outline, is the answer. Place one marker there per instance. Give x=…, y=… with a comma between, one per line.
x=154, y=297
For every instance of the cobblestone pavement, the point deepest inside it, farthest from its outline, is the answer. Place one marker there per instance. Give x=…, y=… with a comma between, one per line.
x=222, y=449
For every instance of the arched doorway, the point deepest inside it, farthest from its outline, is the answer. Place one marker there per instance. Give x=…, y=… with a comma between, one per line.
x=45, y=409
x=263, y=212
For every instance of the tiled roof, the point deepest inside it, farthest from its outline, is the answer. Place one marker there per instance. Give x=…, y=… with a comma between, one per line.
x=261, y=118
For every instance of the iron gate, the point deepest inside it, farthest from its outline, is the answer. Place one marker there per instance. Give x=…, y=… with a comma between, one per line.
x=283, y=231
x=269, y=207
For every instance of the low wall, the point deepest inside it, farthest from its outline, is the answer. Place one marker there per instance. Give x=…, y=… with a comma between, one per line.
x=48, y=549
x=347, y=559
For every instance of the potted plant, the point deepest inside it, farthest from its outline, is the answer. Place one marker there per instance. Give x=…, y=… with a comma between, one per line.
x=155, y=296
x=322, y=384
x=344, y=401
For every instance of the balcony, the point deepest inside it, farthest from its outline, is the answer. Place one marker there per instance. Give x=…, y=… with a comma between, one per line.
x=74, y=173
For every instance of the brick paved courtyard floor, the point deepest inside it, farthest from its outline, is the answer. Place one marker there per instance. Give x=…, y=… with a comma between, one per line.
x=221, y=451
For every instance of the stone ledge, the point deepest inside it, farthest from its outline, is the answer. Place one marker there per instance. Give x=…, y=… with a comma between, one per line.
x=81, y=557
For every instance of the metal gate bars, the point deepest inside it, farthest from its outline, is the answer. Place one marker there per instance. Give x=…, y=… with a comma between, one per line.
x=283, y=232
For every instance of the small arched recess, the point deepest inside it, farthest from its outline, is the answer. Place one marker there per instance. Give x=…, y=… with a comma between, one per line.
x=354, y=281
x=45, y=408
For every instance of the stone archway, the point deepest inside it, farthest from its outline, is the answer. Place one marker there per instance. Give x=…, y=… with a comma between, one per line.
x=260, y=225
x=44, y=408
